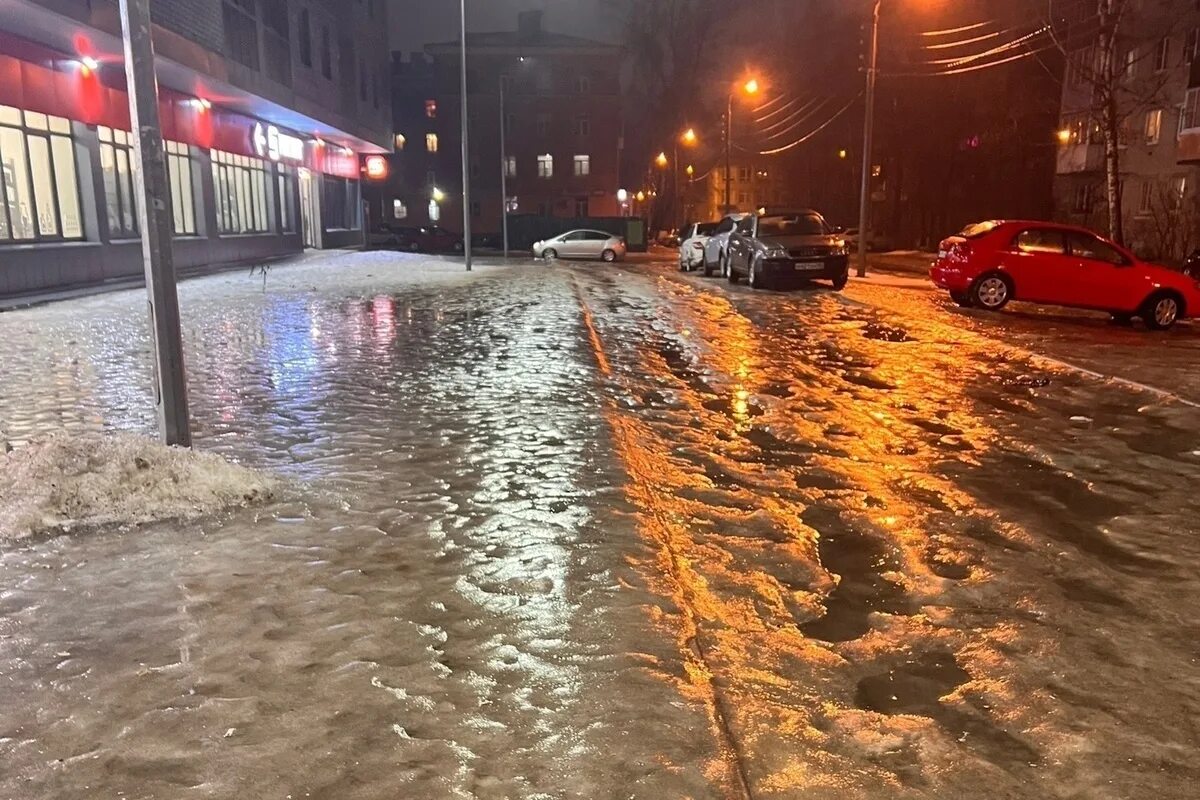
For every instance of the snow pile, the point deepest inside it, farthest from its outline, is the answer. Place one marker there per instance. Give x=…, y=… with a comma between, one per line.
x=71, y=480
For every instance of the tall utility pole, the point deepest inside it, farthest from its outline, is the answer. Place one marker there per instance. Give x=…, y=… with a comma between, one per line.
x=154, y=217
x=728, y=151
x=466, y=147
x=503, y=170
x=864, y=200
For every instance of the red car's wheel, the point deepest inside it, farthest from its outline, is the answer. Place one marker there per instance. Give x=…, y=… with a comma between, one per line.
x=992, y=291
x=1161, y=311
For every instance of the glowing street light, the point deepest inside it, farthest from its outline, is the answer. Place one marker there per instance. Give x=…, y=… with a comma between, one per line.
x=689, y=136
x=1064, y=136
x=661, y=160
x=751, y=86
x=691, y=170
x=438, y=195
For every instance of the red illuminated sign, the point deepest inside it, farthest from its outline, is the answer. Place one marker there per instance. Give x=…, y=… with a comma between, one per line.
x=376, y=167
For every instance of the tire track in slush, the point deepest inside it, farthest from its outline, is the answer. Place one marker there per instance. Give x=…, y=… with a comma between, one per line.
x=643, y=495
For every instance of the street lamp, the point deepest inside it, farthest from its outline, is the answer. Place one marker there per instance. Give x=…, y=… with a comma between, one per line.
x=466, y=147
x=689, y=139
x=661, y=160
x=750, y=87
x=864, y=200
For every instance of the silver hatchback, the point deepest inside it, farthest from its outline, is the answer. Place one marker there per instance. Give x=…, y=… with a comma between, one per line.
x=581, y=244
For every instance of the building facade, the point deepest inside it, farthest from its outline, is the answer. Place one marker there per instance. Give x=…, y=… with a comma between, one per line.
x=561, y=114
x=754, y=183
x=266, y=107
x=1158, y=112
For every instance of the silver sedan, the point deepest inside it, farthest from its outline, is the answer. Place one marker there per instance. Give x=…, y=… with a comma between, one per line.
x=581, y=244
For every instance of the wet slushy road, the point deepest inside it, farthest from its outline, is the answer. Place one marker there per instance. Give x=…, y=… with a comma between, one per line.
x=614, y=532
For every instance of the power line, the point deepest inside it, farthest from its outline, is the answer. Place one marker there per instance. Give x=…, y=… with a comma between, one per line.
x=813, y=132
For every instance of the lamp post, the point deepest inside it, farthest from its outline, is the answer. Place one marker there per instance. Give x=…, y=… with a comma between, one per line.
x=864, y=200
x=503, y=171
x=749, y=87
x=688, y=137
x=466, y=147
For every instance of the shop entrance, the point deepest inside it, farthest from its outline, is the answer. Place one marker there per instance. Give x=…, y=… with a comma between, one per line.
x=310, y=209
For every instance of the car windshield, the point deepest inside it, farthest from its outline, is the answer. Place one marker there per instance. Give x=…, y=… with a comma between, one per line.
x=792, y=225
x=706, y=229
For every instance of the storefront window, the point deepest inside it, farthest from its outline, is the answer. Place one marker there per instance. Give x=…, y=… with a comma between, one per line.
x=37, y=178
x=285, y=179
x=116, y=162
x=183, y=201
x=341, y=203
x=240, y=183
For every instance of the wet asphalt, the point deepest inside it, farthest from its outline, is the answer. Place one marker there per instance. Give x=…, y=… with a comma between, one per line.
x=617, y=531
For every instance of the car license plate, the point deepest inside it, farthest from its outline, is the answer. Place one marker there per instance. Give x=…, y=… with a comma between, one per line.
x=809, y=266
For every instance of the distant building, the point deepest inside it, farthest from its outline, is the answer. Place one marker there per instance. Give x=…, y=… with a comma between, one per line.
x=562, y=118
x=266, y=107
x=1159, y=143
x=754, y=183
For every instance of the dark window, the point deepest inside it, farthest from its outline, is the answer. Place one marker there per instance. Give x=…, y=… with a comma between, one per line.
x=277, y=48
x=241, y=31
x=326, y=53
x=1041, y=240
x=305, y=39
x=1089, y=247
x=341, y=203
x=581, y=210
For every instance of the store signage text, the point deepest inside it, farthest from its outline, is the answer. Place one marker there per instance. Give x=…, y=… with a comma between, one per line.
x=272, y=144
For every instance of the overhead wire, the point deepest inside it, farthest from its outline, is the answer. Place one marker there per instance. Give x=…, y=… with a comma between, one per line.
x=813, y=132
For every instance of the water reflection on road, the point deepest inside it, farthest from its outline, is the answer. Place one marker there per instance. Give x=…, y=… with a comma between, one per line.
x=607, y=532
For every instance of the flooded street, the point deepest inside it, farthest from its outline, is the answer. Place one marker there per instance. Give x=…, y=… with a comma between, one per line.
x=583, y=531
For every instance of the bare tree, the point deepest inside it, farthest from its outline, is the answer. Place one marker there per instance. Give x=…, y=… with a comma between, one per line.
x=1166, y=226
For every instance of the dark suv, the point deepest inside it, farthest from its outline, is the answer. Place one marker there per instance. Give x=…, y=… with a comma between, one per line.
x=786, y=246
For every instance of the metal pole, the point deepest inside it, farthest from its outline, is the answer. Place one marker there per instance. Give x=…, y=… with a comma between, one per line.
x=676, y=224
x=154, y=217
x=864, y=200
x=728, y=149
x=503, y=171
x=466, y=147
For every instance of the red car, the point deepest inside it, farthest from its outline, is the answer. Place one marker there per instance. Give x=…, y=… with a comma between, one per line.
x=991, y=263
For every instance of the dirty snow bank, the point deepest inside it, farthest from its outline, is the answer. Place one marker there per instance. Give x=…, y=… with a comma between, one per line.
x=66, y=480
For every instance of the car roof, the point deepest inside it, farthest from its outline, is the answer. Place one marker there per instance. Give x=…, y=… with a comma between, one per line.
x=780, y=212
x=1042, y=223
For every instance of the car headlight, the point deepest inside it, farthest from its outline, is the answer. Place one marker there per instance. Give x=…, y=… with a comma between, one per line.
x=776, y=251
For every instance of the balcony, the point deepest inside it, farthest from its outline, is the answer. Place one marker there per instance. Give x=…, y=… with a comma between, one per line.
x=1188, y=149
x=1077, y=158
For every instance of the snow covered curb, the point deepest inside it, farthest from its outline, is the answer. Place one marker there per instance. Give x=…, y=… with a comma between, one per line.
x=67, y=480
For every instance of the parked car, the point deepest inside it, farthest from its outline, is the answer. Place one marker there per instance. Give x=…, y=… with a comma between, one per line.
x=787, y=246
x=691, y=250
x=424, y=239
x=989, y=264
x=714, y=248
x=1191, y=265
x=581, y=244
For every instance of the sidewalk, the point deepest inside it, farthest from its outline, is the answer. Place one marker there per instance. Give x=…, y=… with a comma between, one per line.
x=911, y=262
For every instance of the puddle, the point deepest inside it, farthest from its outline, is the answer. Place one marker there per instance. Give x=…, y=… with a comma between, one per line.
x=860, y=561
x=916, y=688
x=885, y=333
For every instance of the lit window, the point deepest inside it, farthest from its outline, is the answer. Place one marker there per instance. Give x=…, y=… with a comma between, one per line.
x=431, y=109
x=876, y=170
x=285, y=182
x=40, y=198
x=183, y=201
x=510, y=166
x=400, y=141
x=435, y=211
x=583, y=166
x=545, y=166
x=431, y=142
x=1153, y=125
x=116, y=166
x=240, y=183
x=399, y=210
